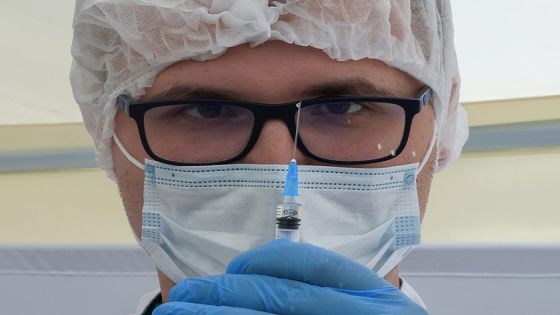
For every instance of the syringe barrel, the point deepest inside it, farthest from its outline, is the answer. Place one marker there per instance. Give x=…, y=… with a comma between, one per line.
x=288, y=219
x=285, y=234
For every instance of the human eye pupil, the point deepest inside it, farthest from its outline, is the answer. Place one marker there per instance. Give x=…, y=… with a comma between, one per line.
x=209, y=111
x=338, y=108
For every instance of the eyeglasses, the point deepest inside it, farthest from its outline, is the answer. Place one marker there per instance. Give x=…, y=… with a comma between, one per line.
x=341, y=130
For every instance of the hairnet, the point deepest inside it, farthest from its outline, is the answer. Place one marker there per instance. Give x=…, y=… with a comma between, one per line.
x=119, y=46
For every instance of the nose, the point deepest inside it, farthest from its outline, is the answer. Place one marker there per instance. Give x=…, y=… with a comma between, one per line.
x=274, y=145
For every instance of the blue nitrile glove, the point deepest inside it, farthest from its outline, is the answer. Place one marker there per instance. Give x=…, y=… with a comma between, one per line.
x=289, y=278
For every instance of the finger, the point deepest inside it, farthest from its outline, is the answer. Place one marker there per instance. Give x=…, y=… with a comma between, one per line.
x=284, y=296
x=306, y=263
x=180, y=308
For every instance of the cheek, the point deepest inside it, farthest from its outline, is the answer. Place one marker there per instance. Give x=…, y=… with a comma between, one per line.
x=419, y=142
x=424, y=183
x=130, y=179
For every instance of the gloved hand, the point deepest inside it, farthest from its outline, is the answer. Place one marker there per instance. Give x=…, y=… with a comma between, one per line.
x=289, y=278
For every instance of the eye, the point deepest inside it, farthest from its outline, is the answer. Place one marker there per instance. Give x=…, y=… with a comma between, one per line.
x=203, y=111
x=343, y=108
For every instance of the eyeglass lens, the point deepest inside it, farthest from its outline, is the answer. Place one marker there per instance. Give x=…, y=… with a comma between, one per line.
x=342, y=131
x=352, y=131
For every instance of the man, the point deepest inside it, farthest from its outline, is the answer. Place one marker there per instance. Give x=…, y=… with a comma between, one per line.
x=181, y=99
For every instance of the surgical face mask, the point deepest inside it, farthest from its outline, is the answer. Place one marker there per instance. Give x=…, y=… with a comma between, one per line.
x=196, y=219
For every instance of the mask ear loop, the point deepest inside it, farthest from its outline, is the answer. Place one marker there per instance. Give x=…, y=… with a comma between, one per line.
x=128, y=156
x=429, y=152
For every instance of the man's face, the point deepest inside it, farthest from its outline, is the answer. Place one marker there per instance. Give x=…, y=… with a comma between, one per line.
x=274, y=72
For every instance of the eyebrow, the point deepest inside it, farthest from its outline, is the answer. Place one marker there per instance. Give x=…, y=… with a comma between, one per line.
x=355, y=87
x=186, y=92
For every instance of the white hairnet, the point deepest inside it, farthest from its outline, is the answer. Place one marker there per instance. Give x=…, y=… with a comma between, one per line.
x=119, y=46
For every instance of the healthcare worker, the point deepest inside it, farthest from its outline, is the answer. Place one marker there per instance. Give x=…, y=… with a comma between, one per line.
x=193, y=108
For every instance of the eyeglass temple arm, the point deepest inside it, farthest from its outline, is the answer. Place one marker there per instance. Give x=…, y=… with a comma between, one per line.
x=425, y=96
x=124, y=103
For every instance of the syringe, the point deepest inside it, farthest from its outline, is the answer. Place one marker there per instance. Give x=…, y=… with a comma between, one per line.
x=288, y=212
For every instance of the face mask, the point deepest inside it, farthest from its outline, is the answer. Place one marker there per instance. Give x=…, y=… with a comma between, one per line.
x=196, y=219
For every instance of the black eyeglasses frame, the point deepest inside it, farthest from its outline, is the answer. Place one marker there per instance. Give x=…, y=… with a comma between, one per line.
x=285, y=112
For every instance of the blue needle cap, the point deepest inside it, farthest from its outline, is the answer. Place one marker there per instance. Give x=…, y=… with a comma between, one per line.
x=291, y=185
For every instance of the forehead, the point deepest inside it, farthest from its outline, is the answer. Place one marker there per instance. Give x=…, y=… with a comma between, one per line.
x=278, y=72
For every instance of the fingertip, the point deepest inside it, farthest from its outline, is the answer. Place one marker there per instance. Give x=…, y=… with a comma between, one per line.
x=178, y=308
x=240, y=263
x=184, y=290
x=171, y=308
